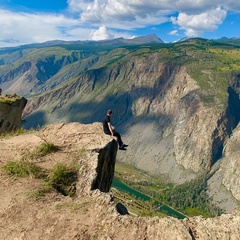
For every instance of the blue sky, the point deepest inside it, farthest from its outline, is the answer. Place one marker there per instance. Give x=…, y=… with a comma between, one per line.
x=34, y=21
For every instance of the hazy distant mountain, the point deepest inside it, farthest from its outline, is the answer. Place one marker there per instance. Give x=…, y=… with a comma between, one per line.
x=152, y=38
x=231, y=41
x=182, y=39
x=117, y=42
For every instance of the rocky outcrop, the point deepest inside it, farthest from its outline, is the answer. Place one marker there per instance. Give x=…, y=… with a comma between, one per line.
x=11, y=108
x=105, y=167
x=223, y=186
x=226, y=226
x=98, y=172
x=91, y=214
x=231, y=164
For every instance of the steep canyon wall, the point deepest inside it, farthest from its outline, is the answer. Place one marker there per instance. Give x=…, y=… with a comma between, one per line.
x=158, y=108
x=161, y=112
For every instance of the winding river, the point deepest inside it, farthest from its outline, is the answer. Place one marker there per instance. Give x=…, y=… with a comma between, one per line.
x=160, y=207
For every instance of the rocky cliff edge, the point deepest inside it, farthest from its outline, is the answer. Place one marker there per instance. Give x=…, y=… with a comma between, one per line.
x=11, y=108
x=91, y=214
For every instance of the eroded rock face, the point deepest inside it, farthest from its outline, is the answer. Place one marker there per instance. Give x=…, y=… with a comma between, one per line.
x=90, y=215
x=177, y=130
x=176, y=133
x=97, y=169
x=226, y=226
x=227, y=175
x=11, y=108
x=105, y=167
x=161, y=110
x=159, y=103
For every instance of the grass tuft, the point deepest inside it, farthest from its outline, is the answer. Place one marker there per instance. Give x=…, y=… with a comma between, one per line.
x=63, y=178
x=46, y=148
x=17, y=132
x=23, y=168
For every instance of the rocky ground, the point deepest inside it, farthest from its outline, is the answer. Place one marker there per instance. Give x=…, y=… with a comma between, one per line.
x=90, y=215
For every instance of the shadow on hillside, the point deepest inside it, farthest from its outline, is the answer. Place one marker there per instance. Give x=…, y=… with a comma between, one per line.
x=95, y=111
x=121, y=104
x=35, y=120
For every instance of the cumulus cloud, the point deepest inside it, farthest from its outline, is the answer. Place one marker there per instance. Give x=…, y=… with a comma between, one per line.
x=119, y=10
x=78, y=5
x=196, y=25
x=195, y=17
x=98, y=19
x=29, y=28
x=100, y=34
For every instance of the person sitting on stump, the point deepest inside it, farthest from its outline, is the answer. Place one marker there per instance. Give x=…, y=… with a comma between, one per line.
x=109, y=130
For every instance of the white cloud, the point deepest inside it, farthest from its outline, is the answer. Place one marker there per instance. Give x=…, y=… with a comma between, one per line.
x=174, y=32
x=196, y=25
x=130, y=10
x=78, y=5
x=119, y=10
x=24, y=28
x=93, y=13
x=84, y=19
x=195, y=17
x=100, y=34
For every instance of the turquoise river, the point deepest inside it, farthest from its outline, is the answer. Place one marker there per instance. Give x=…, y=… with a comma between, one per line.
x=161, y=207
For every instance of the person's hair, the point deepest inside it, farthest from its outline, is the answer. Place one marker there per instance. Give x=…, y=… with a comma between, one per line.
x=109, y=111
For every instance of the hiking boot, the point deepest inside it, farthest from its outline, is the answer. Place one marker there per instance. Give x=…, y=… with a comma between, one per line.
x=122, y=148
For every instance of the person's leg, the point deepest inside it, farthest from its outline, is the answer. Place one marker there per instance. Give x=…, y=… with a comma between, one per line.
x=119, y=139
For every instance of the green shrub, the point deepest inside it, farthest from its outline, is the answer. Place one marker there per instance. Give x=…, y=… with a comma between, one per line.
x=7, y=100
x=46, y=148
x=63, y=178
x=82, y=152
x=23, y=168
x=41, y=151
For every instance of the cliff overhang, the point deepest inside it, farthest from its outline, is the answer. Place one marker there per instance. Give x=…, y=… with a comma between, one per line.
x=11, y=109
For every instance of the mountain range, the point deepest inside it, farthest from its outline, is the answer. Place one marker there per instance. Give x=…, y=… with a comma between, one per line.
x=176, y=104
